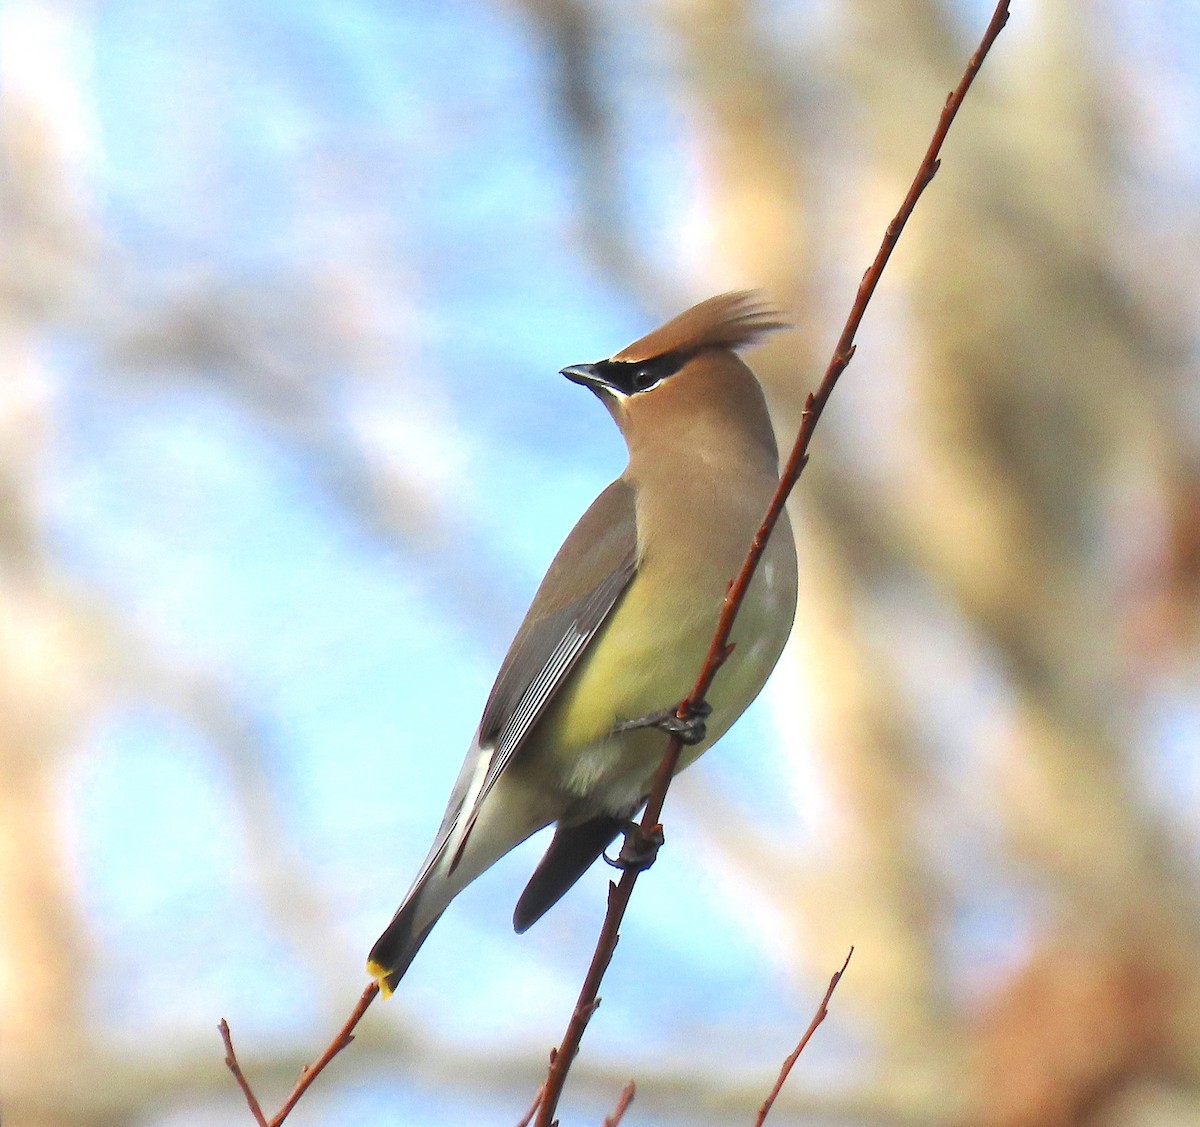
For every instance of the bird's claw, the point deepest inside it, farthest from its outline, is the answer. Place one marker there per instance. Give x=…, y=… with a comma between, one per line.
x=690, y=729
x=639, y=849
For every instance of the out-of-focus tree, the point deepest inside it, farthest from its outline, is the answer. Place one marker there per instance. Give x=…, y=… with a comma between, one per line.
x=995, y=663
x=48, y=675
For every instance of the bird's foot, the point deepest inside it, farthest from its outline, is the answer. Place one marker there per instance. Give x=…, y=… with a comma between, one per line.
x=639, y=849
x=690, y=729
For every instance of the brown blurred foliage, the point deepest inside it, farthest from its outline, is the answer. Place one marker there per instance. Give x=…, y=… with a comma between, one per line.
x=1014, y=463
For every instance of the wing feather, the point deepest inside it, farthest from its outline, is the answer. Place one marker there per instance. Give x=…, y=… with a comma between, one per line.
x=581, y=587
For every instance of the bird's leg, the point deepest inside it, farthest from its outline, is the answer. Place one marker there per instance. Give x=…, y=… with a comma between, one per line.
x=639, y=849
x=641, y=846
x=690, y=729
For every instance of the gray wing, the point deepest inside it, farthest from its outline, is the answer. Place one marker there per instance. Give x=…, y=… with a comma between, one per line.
x=583, y=584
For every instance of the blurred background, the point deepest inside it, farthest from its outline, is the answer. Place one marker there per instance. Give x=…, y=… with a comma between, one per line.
x=284, y=290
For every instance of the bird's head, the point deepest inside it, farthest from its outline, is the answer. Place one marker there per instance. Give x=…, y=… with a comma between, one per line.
x=682, y=365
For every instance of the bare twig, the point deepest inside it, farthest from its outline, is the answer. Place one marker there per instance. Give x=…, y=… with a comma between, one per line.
x=308, y=1073
x=527, y=1118
x=720, y=648
x=821, y=1014
x=618, y=1112
x=718, y=653
x=232, y=1062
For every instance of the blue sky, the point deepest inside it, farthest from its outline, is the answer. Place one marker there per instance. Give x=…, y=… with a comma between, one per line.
x=400, y=163
x=379, y=195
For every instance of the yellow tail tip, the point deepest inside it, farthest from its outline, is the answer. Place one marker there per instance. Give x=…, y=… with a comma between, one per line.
x=381, y=975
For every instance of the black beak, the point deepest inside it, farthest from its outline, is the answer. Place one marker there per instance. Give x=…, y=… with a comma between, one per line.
x=586, y=374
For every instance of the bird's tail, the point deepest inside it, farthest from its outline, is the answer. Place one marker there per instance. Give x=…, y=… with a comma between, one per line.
x=420, y=909
x=395, y=949
x=504, y=821
x=443, y=876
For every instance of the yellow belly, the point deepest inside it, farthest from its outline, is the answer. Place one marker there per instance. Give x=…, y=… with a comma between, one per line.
x=645, y=658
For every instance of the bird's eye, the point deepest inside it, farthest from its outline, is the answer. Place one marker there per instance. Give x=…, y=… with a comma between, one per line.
x=644, y=378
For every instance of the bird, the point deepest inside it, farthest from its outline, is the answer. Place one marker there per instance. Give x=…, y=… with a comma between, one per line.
x=571, y=733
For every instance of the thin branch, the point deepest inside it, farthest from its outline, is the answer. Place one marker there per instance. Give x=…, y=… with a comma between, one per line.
x=821, y=1014
x=720, y=648
x=618, y=1112
x=308, y=1073
x=527, y=1118
x=718, y=652
x=231, y=1062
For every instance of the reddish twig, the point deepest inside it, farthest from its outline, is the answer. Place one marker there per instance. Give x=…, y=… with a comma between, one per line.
x=527, y=1118
x=720, y=648
x=718, y=652
x=821, y=1014
x=618, y=1112
x=308, y=1073
x=231, y=1062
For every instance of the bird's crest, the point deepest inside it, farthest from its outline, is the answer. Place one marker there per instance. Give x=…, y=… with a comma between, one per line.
x=729, y=320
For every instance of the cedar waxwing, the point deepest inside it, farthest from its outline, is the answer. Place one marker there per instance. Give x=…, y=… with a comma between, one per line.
x=620, y=625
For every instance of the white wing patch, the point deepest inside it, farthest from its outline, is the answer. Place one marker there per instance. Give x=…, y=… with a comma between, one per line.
x=532, y=703
x=456, y=839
